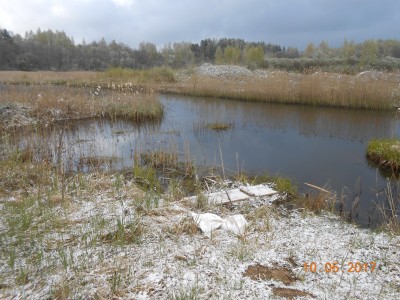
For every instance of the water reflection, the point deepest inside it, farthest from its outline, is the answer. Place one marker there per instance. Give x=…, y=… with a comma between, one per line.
x=351, y=125
x=323, y=146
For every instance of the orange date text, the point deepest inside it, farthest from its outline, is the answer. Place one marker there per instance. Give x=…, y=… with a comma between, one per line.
x=335, y=267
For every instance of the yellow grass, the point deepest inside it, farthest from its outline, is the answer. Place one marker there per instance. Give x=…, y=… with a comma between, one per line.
x=41, y=77
x=320, y=88
x=334, y=90
x=48, y=103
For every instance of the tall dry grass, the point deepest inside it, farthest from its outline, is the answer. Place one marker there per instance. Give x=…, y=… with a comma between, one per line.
x=333, y=90
x=45, y=77
x=112, y=76
x=48, y=103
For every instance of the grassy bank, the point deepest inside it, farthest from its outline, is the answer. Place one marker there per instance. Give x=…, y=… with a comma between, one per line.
x=323, y=89
x=385, y=153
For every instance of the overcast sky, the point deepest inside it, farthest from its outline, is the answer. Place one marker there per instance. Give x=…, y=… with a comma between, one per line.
x=284, y=22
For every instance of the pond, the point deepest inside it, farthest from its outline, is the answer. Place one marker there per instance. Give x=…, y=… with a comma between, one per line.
x=321, y=146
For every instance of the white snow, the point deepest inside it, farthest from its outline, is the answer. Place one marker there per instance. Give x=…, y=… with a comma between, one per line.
x=172, y=262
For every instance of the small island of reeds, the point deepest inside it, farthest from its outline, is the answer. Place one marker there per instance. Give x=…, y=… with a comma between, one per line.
x=385, y=153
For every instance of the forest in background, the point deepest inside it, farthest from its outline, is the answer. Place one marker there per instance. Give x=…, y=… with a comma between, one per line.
x=55, y=50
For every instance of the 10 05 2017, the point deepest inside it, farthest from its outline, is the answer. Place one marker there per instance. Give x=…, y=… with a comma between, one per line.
x=335, y=267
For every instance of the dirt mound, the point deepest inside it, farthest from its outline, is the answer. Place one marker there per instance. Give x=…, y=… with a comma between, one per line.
x=260, y=272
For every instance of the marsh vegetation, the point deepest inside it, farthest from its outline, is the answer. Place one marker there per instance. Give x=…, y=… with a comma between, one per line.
x=85, y=217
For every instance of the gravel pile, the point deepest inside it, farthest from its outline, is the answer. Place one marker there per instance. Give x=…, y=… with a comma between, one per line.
x=223, y=71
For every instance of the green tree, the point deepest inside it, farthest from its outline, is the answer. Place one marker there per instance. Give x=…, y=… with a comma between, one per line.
x=348, y=49
x=219, y=56
x=254, y=56
x=324, y=50
x=309, y=52
x=232, y=55
x=183, y=55
x=369, y=53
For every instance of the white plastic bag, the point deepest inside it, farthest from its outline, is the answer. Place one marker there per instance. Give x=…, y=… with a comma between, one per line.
x=209, y=222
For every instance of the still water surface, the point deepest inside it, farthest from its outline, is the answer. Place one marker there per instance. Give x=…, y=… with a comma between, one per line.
x=322, y=146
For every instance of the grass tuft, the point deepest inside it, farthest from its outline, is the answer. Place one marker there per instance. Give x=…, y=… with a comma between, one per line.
x=219, y=126
x=385, y=153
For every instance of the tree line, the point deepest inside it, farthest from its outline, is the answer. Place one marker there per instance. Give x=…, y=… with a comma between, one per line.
x=49, y=50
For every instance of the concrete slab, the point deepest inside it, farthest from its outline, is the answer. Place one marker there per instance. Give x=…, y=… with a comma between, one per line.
x=237, y=195
x=217, y=198
x=258, y=190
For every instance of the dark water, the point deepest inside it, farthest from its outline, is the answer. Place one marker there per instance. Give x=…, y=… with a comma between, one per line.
x=322, y=146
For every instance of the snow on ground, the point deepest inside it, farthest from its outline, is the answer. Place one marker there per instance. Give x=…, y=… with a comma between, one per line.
x=91, y=252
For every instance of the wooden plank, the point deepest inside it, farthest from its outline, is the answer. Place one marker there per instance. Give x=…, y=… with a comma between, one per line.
x=317, y=187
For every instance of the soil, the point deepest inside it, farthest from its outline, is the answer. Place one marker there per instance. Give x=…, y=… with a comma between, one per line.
x=290, y=293
x=260, y=272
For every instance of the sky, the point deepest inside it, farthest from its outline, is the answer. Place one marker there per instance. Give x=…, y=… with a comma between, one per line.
x=292, y=23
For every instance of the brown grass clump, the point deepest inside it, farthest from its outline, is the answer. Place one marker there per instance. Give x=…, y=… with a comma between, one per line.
x=219, y=126
x=185, y=226
x=160, y=159
x=317, y=199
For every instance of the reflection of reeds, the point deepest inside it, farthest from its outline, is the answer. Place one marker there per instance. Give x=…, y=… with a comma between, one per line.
x=334, y=90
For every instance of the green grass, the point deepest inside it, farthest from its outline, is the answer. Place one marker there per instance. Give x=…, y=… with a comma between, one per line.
x=385, y=153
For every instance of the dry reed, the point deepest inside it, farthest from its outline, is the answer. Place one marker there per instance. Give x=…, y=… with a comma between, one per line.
x=333, y=90
x=49, y=103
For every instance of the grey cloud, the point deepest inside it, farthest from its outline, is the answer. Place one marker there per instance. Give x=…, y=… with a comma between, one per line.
x=285, y=22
